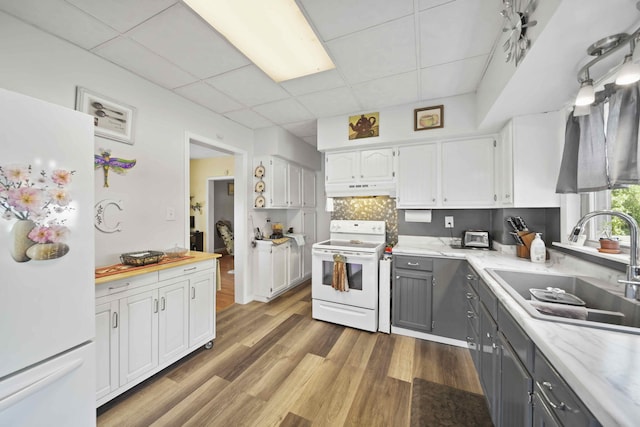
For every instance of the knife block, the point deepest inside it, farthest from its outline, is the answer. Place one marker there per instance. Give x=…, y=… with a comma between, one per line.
x=522, y=251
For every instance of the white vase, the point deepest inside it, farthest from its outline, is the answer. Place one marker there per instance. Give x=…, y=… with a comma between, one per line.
x=19, y=242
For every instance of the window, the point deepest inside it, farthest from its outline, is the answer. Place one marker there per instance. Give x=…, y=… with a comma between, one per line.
x=625, y=200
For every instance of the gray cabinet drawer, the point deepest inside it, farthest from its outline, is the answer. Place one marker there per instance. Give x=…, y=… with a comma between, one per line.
x=558, y=397
x=409, y=262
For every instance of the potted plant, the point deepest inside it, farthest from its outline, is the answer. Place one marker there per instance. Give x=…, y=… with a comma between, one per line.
x=608, y=243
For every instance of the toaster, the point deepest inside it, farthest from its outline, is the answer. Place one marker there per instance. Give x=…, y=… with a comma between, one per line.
x=476, y=239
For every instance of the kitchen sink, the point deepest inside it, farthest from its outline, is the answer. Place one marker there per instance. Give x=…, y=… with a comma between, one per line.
x=606, y=306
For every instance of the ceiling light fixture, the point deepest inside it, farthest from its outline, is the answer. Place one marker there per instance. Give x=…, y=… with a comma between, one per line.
x=273, y=34
x=628, y=73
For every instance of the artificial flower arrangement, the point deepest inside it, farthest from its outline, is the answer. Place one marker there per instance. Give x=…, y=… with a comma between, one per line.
x=39, y=200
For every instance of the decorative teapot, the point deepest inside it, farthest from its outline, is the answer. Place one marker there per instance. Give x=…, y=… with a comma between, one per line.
x=363, y=126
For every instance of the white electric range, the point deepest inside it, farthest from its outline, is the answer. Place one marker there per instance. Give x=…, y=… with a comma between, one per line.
x=361, y=243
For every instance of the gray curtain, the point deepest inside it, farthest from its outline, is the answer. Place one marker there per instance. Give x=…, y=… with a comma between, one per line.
x=584, y=160
x=622, y=136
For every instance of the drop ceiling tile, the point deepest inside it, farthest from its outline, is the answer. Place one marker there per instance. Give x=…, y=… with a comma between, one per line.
x=135, y=58
x=451, y=79
x=330, y=102
x=376, y=52
x=284, y=111
x=335, y=18
x=249, y=85
x=203, y=94
x=473, y=31
x=61, y=19
x=313, y=83
x=428, y=4
x=179, y=35
x=248, y=118
x=388, y=91
x=303, y=129
x=122, y=14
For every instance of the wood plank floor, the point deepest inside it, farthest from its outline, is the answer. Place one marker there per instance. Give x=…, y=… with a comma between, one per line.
x=273, y=365
x=225, y=297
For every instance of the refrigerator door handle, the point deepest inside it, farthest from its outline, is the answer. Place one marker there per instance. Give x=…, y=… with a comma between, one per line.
x=14, y=397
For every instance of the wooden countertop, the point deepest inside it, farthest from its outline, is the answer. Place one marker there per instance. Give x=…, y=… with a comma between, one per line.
x=194, y=257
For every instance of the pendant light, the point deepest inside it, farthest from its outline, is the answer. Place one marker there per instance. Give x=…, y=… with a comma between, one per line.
x=586, y=94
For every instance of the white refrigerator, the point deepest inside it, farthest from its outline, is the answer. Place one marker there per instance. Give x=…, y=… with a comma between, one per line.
x=47, y=356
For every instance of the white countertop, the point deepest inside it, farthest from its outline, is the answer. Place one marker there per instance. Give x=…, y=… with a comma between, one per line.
x=599, y=365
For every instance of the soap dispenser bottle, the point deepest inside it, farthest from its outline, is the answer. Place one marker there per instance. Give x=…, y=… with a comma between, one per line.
x=538, y=251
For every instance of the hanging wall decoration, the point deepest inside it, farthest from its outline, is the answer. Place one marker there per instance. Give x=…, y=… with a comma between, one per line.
x=106, y=162
x=428, y=118
x=103, y=212
x=364, y=125
x=111, y=119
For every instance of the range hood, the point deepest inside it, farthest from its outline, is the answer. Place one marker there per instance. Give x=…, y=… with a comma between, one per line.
x=359, y=189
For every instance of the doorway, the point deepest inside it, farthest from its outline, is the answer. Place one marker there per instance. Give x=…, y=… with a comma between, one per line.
x=202, y=147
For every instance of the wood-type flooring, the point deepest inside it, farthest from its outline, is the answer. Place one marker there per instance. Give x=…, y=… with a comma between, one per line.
x=273, y=365
x=225, y=297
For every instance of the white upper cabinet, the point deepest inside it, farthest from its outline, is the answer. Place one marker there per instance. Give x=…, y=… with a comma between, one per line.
x=531, y=154
x=468, y=173
x=377, y=165
x=308, y=188
x=417, y=176
x=342, y=167
x=282, y=186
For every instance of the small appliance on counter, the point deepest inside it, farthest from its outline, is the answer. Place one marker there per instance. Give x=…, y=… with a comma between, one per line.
x=476, y=239
x=276, y=231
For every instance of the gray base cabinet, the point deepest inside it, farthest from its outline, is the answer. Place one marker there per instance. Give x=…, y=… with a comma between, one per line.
x=412, y=298
x=521, y=386
x=448, y=289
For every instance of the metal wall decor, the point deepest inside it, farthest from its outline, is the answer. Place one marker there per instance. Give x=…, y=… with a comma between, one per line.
x=517, y=19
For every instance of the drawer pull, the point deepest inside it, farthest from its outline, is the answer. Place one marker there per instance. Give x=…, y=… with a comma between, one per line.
x=471, y=277
x=189, y=269
x=559, y=406
x=414, y=264
x=471, y=314
x=470, y=295
x=111, y=288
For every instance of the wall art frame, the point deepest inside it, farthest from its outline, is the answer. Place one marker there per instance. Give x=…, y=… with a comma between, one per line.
x=428, y=118
x=111, y=119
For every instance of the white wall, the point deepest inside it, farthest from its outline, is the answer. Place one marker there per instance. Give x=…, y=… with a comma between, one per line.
x=279, y=142
x=397, y=124
x=45, y=67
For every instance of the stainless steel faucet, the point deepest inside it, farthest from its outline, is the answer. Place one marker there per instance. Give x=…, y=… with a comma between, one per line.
x=632, y=283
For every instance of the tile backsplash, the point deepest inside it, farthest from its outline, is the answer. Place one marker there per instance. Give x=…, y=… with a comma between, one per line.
x=378, y=208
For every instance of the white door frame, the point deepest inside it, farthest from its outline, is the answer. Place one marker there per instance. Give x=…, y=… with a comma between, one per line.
x=240, y=201
x=211, y=227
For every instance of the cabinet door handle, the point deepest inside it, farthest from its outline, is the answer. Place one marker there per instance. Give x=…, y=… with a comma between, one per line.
x=471, y=277
x=470, y=295
x=193, y=293
x=114, y=321
x=155, y=305
x=163, y=303
x=413, y=264
x=546, y=384
x=470, y=314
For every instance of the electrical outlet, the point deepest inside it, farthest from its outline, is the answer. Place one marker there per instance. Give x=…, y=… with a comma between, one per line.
x=171, y=214
x=448, y=222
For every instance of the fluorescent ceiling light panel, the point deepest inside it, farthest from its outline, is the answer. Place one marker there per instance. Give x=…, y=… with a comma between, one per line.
x=273, y=34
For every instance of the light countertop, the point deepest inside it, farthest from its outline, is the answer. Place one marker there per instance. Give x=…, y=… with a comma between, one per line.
x=194, y=257
x=599, y=365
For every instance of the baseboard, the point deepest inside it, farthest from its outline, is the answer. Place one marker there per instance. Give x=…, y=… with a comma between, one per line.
x=428, y=337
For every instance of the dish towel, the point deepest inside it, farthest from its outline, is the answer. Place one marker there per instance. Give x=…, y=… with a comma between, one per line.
x=339, y=282
x=299, y=238
x=560, y=310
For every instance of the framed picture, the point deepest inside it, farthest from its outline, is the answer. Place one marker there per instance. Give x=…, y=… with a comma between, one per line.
x=230, y=188
x=364, y=125
x=111, y=119
x=428, y=118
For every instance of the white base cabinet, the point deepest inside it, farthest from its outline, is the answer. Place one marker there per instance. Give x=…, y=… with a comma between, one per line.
x=147, y=322
x=278, y=268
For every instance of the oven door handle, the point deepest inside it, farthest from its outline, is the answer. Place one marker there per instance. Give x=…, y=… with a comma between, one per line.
x=328, y=255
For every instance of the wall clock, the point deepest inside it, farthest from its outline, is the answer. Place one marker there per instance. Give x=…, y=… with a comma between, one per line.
x=517, y=14
x=260, y=186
